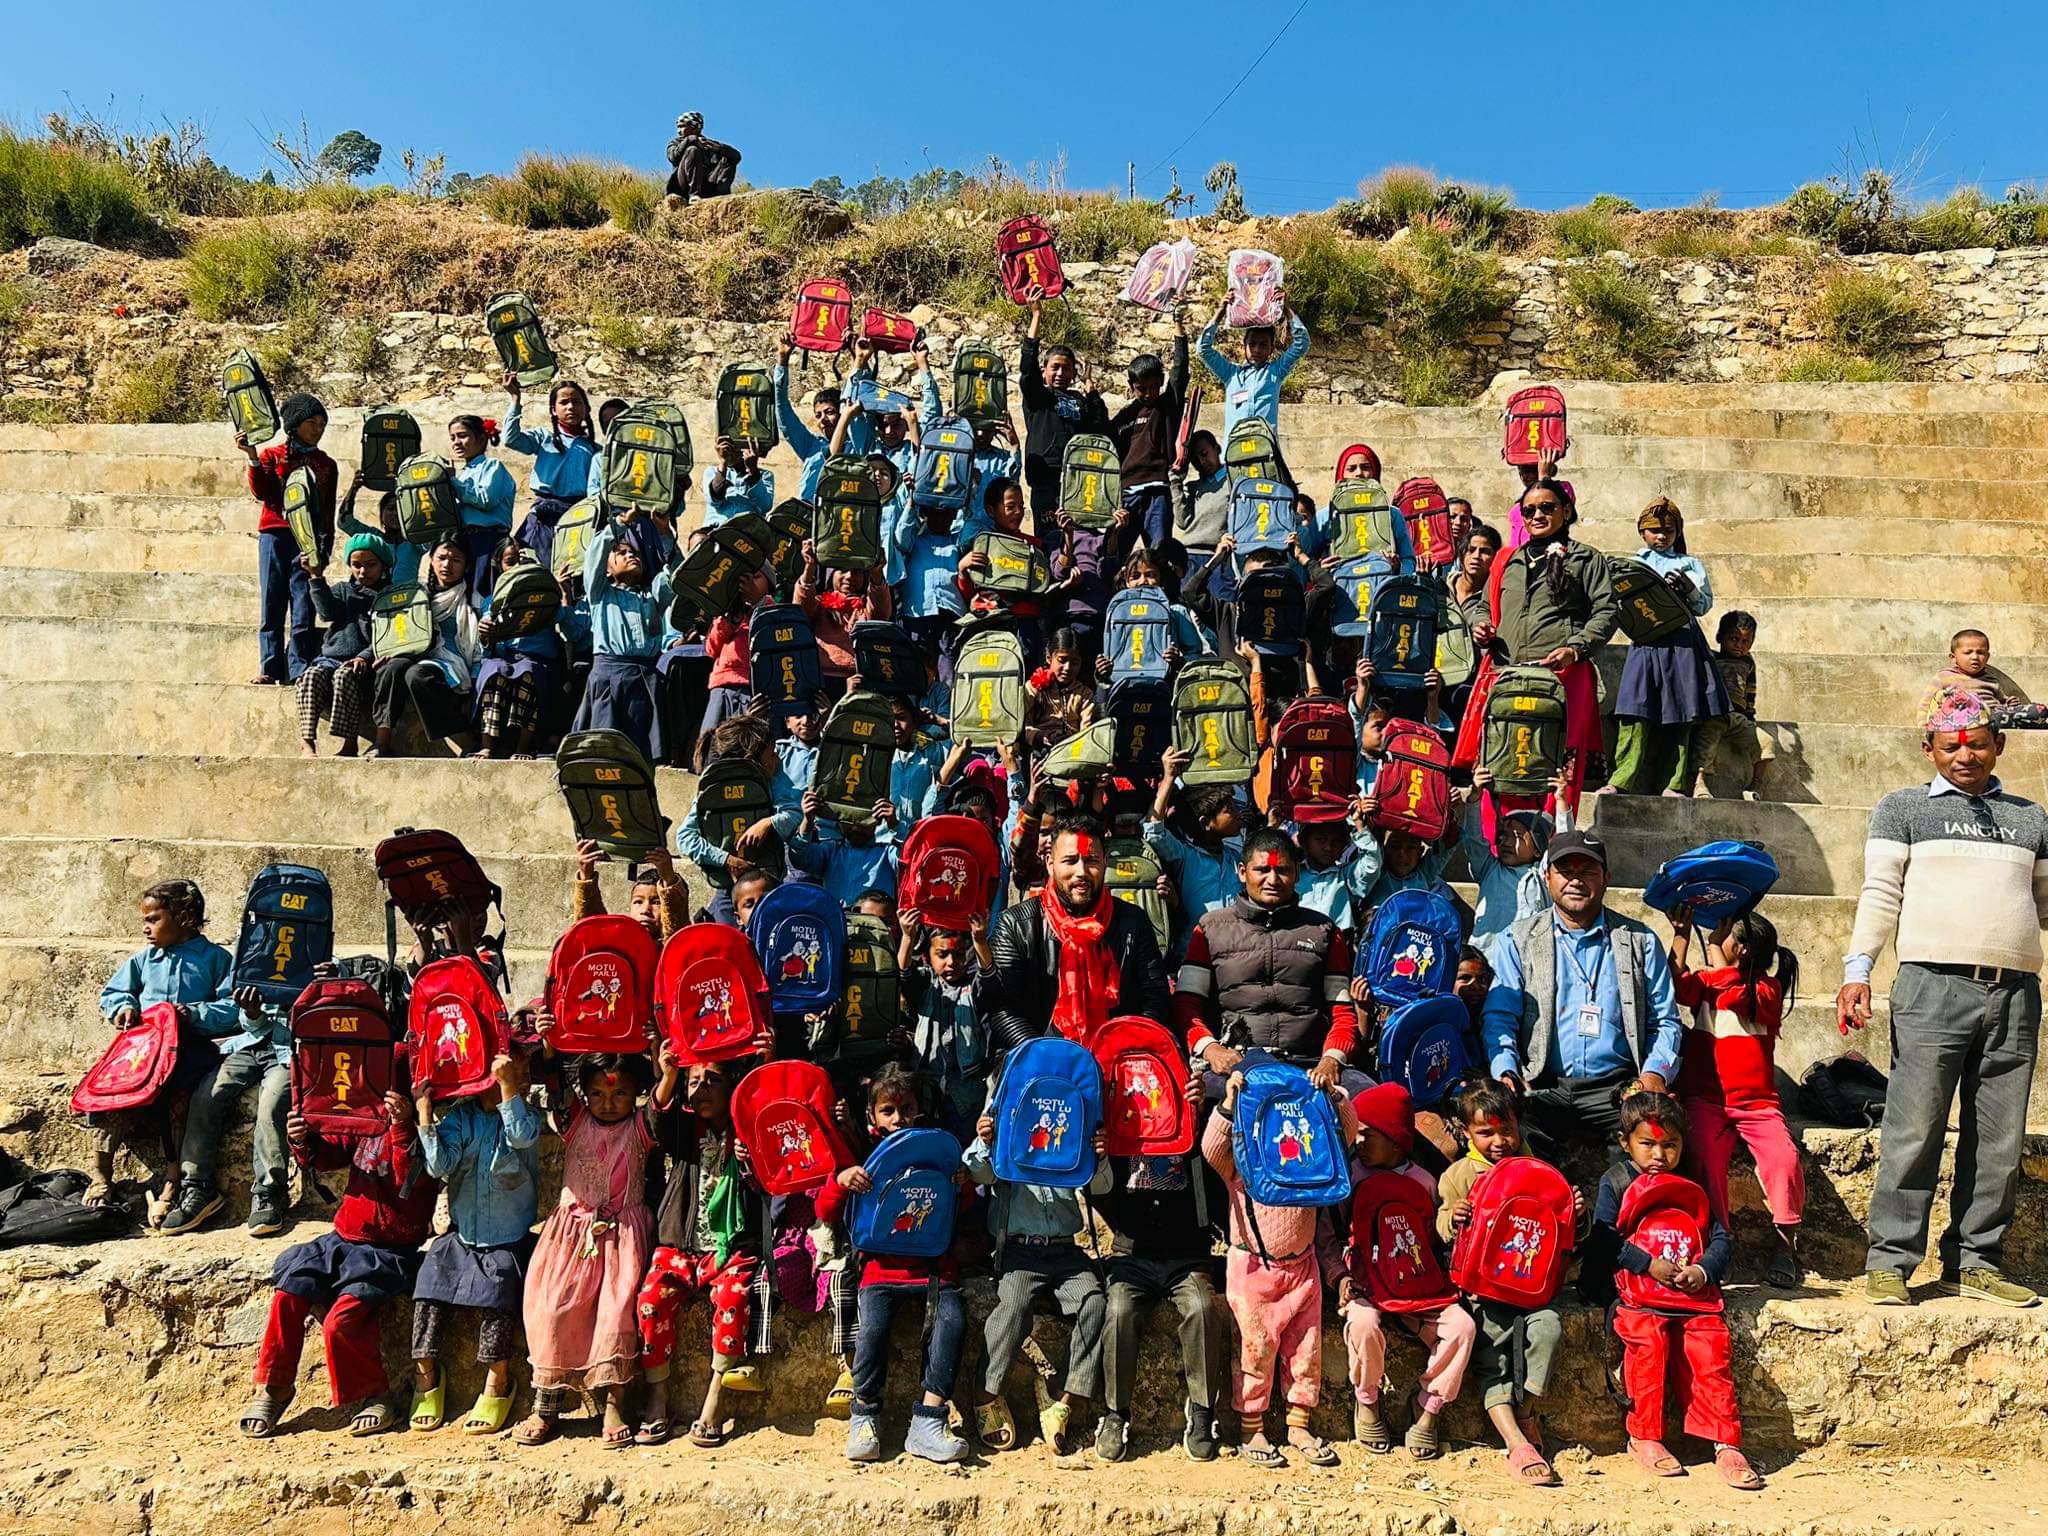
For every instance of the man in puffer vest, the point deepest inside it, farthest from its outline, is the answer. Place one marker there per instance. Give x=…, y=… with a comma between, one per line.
x=1267, y=974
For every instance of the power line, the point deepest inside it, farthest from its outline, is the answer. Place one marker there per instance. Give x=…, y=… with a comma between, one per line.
x=1220, y=105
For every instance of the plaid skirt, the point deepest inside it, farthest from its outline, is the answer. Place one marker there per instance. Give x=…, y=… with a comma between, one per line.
x=341, y=694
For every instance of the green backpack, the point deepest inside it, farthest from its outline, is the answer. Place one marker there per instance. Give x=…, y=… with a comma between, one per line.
x=1363, y=522
x=1651, y=611
x=873, y=1007
x=981, y=383
x=609, y=785
x=746, y=406
x=1091, y=481
x=401, y=622
x=988, y=688
x=573, y=532
x=1212, y=723
x=525, y=601
x=426, y=500
x=1015, y=564
x=1133, y=876
x=732, y=794
x=707, y=583
x=390, y=437
x=1521, y=739
x=247, y=395
x=847, y=535
x=1252, y=453
x=522, y=345
x=301, y=496
x=645, y=463
x=1087, y=754
x=855, y=753
x=789, y=525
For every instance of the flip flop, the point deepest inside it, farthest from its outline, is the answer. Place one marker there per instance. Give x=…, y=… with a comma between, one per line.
x=654, y=1431
x=1266, y=1456
x=616, y=1438
x=743, y=1378
x=373, y=1418
x=1654, y=1459
x=259, y=1419
x=1053, y=1420
x=1527, y=1463
x=157, y=1205
x=96, y=1194
x=1735, y=1469
x=488, y=1415
x=1424, y=1439
x=536, y=1431
x=707, y=1436
x=1316, y=1451
x=994, y=1426
x=429, y=1408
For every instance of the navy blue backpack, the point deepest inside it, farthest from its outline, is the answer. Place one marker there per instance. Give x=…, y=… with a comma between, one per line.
x=888, y=660
x=1272, y=610
x=1401, y=631
x=799, y=932
x=945, y=465
x=1047, y=1109
x=907, y=1210
x=287, y=929
x=1137, y=629
x=1142, y=708
x=783, y=659
x=1426, y=1047
x=1287, y=1140
x=1413, y=949
x=1717, y=880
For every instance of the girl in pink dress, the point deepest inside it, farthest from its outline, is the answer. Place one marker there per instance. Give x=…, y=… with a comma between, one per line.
x=581, y=1329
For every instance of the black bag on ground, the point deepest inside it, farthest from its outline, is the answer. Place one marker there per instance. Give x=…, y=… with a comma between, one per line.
x=1847, y=1091
x=45, y=1208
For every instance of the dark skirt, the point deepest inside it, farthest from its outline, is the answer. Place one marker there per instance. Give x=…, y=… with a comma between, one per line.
x=620, y=697
x=541, y=669
x=490, y=1279
x=331, y=1266
x=1673, y=682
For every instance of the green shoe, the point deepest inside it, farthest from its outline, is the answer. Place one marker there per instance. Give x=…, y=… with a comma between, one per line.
x=1887, y=1288
x=1990, y=1285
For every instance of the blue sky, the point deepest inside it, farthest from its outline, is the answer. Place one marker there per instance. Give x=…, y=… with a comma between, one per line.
x=1554, y=99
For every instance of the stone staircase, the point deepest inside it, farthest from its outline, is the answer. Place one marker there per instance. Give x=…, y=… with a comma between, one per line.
x=1861, y=524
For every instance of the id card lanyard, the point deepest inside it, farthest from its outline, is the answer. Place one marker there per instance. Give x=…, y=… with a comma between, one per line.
x=1590, y=1019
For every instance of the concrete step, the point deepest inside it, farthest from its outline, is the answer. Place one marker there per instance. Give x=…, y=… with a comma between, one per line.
x=1838, y=764
x=1819, y=848
x=120, y=549
x=1908, y=628
x=1880, y=687
x=215, y=719
x=111, y=650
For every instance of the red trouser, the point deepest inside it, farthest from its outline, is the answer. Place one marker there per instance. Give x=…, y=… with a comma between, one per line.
x=1717, y=1129
x=1705, y=1385
x=355, y=1362
x=670, y=1275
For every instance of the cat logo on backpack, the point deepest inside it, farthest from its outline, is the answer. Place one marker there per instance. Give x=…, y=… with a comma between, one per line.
x=522, y=344
x=246, y=394
x=390, y=437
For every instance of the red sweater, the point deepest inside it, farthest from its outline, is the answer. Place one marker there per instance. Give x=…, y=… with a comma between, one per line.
x=267, y=476
x=731, y=657
x=889, y=1269
x=1194, y=1007
x=1728, y=1057
x=377, y=1207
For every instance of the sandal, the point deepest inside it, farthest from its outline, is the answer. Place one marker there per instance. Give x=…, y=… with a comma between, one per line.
x=1424, y=1439
x=1531, y=1426
x=1735, y=1469
x=1370, y=1430
x=1527, y=1463
x=654, y=1431
x=259, y=1419
x=429, y=1408
x=1784, y=1273
x=488, y=1415
x=373, y=1418
x=1315, y=1450
x=157, y=1205
x=616, y=1437
x=1053, y=1420
x=707, y=1437
x=1654, y=1459
x=742, y=1378
x=535, y=1431
x=994, y=1426
x=839, y=1401
x=1267, y=1456
x=97, y=1193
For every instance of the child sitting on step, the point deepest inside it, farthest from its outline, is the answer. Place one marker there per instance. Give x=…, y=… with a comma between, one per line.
x=943, y=974
x=483, y=1149
x=1969, y=668
x=337, y=685
x=439, y=683
x=1653, y=1138
x=1727, y=1070
x=345, y=1277
x=177, y=964
x=519, y=674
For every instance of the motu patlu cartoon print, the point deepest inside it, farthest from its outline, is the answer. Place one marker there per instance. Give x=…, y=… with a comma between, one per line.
x=1523, y=1248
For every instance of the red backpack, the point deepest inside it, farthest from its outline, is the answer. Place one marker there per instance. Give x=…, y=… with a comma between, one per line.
x=822, y=317
x=889, y=333
x=600, y=985
x=1030, y=266
x=1145, y=1108
x=134, y=1067
x=344, y=1058
x=710, y=998
x=1393, y=1245
x=1421, y=502
x=949, y=869
x=427, y=873
x=1665, y=1215
x=1513, y=1250
x=1412, y=791
x=1315, y=761
x=783, y=1113
x=1534, y=425
x=457, y=1027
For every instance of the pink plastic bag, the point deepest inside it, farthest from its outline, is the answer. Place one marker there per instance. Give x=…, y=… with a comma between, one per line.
x=1161, y=275
x=1257, y=289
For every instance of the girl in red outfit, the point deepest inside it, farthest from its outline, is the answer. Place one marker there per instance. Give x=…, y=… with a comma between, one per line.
x=732, y=658
x=345, y=1276
x=1727, y=1075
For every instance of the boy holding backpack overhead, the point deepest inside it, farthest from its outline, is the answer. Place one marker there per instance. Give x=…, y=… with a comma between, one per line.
x=739, y=483
x=811, y=448
x=288, y=638
x=1145, y=431
x=1054, y=412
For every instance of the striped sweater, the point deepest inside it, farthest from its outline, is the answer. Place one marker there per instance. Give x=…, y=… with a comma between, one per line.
x=1953, y=879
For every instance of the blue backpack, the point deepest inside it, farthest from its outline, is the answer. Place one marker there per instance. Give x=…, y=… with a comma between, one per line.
x=1142, y=708
x=1413, y=950
x=799, y=932
x=1401, y=631
x=907, y=1210
x=287, y=929
x=1261, y=516
x=1353, y=584
x=945, y=465
x=1272, y=611
x=1426, y=1047
x=1717, y=880
x=1137, y=629
x=1048, y=1107
x=783, y=659
x=1287, y=1140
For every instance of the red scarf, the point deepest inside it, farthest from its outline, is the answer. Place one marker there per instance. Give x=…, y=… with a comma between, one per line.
x=1089, y=977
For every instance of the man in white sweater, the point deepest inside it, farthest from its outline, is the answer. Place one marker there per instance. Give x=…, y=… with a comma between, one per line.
x=1955, y=877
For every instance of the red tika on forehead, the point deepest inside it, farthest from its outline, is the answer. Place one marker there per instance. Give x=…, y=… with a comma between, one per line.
x=1085, y=845
x=1656, y=1131
x=1272, y=859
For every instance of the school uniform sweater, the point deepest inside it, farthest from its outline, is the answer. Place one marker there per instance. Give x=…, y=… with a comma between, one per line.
x=485, y=490
x=1201, y=509
x=1288, y=1231
x=346, y=612
x=1144, y=430
x=1728, y=1054
x=1051, y=418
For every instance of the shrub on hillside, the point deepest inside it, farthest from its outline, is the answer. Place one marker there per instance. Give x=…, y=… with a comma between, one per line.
x=253, y=272
x=1441, y=292
x=1609, y=203
x=50, y=189
x=632, y=201
x=1870, y=315
x=169, y=385
x=1610, y=325
x=1332, y=279
x=1587, y=231
x=1397, y=196
x=1102, y=228
x=1828, y=365
x=557, y=192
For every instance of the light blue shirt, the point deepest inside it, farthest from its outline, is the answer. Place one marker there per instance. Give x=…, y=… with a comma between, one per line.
x=1030, y=1210
x=623, y=620
x=846, y=869
x=1339, y=892
x=783, y=793
x=485, y=491
x=1664, y=563
x=199, y=974
x=561, y=464
x=914, y=781
x=1253, y=389
x=1506, y=894
x=806, y=444
x=931, y=561
x=727, y=496
x=490, y=1161
x=1585, y=974
x=1204, y=880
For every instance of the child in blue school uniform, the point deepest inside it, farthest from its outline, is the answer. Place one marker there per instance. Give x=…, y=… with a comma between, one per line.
x=1197, y=835
x=562, y=456
x=745, y=737
x=628, y=604
x=811, y=448
x=256, y=1053
x=484, y=490
x=519, y=673
x=738, y=483
x=849, y=859
x=484, y=1149
x=1667, y=686
x=177, y=964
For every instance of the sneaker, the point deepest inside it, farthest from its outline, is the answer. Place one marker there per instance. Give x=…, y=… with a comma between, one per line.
x=1886, y=1288
x=1112, y=1437
x=198, y=1203
x=269, y=1213
x=931, y=1437
x=1199, y=1441
x=1989, y=1285
x=864, y=1438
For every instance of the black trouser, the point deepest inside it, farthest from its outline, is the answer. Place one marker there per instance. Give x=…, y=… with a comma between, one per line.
x=443, y=709
x=1570, y=1110
x=1136, y=1286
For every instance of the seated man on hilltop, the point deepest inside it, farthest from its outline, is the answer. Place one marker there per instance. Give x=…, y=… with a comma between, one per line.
x=699, y=167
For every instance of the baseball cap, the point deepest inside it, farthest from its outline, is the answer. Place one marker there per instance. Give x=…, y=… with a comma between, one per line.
x=1575, y=844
